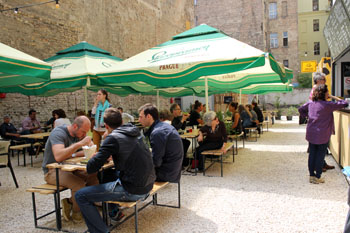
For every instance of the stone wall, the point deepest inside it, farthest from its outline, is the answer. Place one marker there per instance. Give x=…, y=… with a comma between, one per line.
x=239, y=19
x=121, y=27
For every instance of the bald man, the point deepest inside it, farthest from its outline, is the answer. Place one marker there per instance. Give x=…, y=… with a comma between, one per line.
x=63, y=143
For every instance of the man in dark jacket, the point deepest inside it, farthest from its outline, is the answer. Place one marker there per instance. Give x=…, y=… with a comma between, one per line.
x=131, y=158
x=166, y=145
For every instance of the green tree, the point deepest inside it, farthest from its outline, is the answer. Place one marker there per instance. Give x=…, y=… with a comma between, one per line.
x=305, y=80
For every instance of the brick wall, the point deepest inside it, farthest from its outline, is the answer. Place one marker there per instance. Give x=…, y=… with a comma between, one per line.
x=121, y=27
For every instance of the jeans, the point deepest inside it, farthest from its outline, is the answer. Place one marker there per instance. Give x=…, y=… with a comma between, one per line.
x=317, y=152
x=111, y=191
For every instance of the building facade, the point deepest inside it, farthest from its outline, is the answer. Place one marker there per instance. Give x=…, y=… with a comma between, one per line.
x=269, y=25
x=312, y=17
x=124, y=28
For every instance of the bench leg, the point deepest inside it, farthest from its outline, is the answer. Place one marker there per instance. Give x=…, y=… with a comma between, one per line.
x=136, y=218
x=155, y=198
x=222, y=171
x=12, y=172
x=34, y=211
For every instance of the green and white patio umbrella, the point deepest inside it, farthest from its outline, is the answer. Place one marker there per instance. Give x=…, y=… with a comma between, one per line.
x=198, y=52
x=17, y=67
x=73, y=68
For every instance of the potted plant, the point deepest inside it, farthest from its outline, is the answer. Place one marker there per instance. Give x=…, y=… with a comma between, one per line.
x=278, y=107
x=291, y=111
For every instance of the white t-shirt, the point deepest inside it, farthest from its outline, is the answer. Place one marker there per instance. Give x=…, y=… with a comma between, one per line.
x=61, y=121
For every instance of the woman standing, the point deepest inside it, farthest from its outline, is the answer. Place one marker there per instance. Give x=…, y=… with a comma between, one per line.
x=100, y=106
x=319, y=128
x=211, y=136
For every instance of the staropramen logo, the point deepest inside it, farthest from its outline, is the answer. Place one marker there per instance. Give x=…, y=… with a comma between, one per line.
x=164, y=55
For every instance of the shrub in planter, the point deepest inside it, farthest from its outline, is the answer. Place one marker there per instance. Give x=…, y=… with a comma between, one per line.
x=291, y=111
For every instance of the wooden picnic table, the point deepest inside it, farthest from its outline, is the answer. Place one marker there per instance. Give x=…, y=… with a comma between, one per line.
x=74, y=164
x=36, y=135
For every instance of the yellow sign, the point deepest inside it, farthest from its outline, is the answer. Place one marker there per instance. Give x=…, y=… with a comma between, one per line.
x=308, y=66
x=325, y=66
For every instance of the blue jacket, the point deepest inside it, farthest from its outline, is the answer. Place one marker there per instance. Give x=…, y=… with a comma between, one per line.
x=167, y=151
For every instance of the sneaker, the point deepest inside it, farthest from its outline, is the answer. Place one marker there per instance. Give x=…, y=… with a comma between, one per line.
x=66, y=209
x=318, y=180
x=117, y=216
x=312, y=179
x=77, y=217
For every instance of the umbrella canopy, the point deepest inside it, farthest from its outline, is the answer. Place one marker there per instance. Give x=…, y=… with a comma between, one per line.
x=201, y=51
x=17, y=67
x=72, y=69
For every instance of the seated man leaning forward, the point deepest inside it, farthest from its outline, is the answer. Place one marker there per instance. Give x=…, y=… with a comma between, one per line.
x=167, y=149
x=62, y=144
x=131, y=158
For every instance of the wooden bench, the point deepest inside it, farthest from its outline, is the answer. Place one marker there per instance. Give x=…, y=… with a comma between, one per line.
x=47, y=189
x=21, y=147
x=219, y=154
x=235, y=137
x=250, y=130
x=156, y=187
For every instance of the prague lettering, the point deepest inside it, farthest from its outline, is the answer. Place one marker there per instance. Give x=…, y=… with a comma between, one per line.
x=169, y=67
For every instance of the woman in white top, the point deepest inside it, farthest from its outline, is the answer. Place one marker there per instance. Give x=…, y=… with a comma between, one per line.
x=100, y=105
x=61, y=118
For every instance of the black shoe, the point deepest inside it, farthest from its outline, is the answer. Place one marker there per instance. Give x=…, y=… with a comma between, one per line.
x=117, y=216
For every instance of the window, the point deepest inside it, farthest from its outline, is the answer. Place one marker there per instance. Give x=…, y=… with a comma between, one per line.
x=273, y=10
x=284, y=9
x=285, y=39
x=286, y=63
x=315, y=5
x=316, y=48
x=316, y=25
x=273, y=40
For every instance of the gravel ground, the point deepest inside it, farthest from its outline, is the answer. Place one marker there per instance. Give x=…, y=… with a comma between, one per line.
x=266, y=189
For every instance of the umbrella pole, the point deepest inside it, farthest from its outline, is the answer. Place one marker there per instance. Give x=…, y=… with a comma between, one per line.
x=86, y=101
x=206, y=95
x=240, y=96
x=158, y=100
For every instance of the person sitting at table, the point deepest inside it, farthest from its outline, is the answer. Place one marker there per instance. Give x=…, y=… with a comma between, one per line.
x=62, y=144
x=50, y=122
x=179, y=122
x=61, y=118
x=132, y=159
x=30, y=124
x=126, y=116
x=246, y=117
x=195, y=117
x=165, y=116
x=167, y=150
x=254, y=118
x=236, y=119
x=211, y=136
x=9, y=132
x=258, y=112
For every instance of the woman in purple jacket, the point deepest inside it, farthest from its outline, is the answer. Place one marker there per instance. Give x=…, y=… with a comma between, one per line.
x=319, y=128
